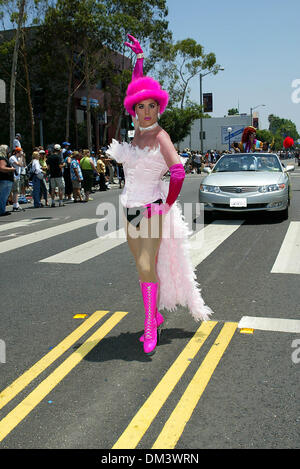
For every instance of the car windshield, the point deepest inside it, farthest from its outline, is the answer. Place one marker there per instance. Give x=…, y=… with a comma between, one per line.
x=233, y=163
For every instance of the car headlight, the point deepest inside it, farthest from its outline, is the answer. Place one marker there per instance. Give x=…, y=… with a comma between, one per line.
x=206, y=188
x=271, y=188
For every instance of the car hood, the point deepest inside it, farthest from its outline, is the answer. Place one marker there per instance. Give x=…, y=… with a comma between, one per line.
x=243, y=178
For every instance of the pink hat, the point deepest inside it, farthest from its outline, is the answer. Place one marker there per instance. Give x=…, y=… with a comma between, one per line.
x=145, y=88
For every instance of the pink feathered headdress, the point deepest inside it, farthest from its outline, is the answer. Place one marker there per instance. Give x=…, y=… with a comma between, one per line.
x=145, y=88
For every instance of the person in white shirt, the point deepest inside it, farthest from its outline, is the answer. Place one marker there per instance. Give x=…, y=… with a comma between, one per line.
x=16, y=161
x=17, y=141
x=36, y=181
x=23, y=181
x=198, y=162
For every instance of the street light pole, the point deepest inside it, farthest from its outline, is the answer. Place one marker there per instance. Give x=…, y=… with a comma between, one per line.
x=201, y=104
x=229, y=130
x=251, y=111
x=201, y=121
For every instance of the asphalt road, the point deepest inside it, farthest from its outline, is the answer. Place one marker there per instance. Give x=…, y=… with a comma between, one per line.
x=207, y=386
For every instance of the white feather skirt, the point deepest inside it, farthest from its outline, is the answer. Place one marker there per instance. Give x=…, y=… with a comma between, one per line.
x=176, y=276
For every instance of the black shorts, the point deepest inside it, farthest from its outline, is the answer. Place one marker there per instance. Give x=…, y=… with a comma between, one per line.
x=134, y=215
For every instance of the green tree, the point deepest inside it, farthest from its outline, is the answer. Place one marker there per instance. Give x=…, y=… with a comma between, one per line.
x=233, y=111
x=282, y=127
x=177, y=122
x=181, y=62
x=18, y=15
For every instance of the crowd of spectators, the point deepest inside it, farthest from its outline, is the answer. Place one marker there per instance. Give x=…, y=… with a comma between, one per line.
x=57, y=173
x=194, y=162
x=61, y=174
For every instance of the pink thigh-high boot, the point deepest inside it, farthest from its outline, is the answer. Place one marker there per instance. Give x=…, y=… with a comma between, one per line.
x=159, y=318
x=149, y=292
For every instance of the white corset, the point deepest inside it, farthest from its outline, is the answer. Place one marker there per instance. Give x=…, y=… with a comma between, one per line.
x=143, y=170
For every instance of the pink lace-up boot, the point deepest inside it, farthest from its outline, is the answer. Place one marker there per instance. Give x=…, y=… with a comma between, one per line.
x=159, y=318
x=149, y=292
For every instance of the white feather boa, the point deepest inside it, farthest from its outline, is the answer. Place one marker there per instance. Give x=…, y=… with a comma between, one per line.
x=177, y=279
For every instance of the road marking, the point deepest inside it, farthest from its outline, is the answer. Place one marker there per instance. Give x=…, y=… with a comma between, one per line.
x=270, y=324
x=31, y=238
x=205, y=241
x=86, y=251
x=288, y=259
x=142, y=420
x=19, y=224
x=22, y=381
x=210, y=237
x=8, y=423
x=177, y=421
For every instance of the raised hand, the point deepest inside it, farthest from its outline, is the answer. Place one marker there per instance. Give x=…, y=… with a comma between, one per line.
x=135, y=46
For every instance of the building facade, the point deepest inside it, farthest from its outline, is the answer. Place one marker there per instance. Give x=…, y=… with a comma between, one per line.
x=216, y=133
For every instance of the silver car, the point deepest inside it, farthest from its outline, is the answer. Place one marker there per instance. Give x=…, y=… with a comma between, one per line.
x=246, y=182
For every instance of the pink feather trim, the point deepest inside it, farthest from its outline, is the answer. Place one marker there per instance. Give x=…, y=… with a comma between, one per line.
x=177, y=279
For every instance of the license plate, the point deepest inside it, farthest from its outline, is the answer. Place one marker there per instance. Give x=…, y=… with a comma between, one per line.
x=238, y=202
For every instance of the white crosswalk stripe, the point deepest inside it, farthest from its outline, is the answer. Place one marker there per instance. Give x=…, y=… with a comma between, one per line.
x=20, y=224
x=84, y=252
x=288, y=259
x=25, y=240
x=202, y=243
x=205, y=241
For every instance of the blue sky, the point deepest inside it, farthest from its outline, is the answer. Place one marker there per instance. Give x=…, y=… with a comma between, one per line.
x=258, y=44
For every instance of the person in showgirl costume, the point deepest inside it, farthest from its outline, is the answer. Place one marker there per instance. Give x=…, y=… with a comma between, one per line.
x=157, y=234
x=249, y=143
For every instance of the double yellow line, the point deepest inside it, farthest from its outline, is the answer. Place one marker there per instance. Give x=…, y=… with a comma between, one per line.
x=176, y=423
x=8, y=423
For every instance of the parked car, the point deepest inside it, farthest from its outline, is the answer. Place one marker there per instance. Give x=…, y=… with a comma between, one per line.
x=247, y=182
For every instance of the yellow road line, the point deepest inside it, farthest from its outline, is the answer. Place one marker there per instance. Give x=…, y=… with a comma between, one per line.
x=22, y=381
x=177, y=421
x=8, y=423
x=142, y=420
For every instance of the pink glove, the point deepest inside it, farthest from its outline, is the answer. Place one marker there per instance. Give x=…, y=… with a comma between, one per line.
x=135, y=46
x=176, y=181
x=138, y=69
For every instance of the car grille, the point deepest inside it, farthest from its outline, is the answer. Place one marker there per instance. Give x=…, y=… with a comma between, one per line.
x=240, y=208
x=239, y=189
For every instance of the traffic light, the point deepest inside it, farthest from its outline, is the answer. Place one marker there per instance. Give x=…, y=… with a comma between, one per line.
x=207, y=102
x=39, y=102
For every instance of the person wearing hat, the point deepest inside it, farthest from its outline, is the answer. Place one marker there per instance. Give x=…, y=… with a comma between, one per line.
x=65, y=147
x=156, y=233
x=17, y=141
x=16, y=162
x=55, y=163
x=67, y=155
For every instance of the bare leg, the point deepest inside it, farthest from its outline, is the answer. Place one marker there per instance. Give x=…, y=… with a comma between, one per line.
x=144, y=244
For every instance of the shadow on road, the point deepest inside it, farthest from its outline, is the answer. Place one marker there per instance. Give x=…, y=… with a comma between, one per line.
x=127, y=346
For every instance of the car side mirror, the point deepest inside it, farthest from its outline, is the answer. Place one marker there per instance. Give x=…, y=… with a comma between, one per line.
x=290, y=167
